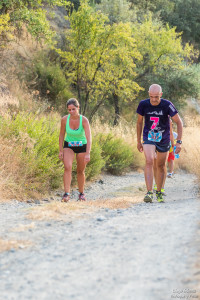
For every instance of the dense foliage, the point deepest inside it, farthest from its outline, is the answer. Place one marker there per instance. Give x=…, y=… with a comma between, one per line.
x=184, y=15
x=32, y=14
x=116, y=61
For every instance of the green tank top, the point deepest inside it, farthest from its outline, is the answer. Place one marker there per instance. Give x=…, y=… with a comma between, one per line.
x=75, y=135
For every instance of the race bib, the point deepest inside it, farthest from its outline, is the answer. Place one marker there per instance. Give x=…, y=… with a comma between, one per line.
x=155, y=136
x=75, y=144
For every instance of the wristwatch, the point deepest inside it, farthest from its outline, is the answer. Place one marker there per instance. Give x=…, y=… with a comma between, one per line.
x=179, y=141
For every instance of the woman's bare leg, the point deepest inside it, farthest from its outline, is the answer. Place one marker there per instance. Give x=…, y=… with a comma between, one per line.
x=81, y=164
x=67, y=160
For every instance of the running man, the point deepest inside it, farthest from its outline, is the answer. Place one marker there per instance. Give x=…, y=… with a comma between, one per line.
x=156, y=113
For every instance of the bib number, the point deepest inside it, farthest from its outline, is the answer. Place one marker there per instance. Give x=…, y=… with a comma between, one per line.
x=155, y=122
x=155, y=136
x=75, y=144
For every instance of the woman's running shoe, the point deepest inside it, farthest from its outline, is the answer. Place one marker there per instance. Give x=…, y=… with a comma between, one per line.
x=148, y=197
x=66, y=197
x=159, y=197
x=81, y=197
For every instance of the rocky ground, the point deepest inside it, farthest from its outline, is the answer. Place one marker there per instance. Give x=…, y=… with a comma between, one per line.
x=113, y=247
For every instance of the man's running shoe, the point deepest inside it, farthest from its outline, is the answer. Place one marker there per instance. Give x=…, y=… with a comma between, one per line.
x=159, y=197
x=169, y=175
x=81, y=197
x=148, y=197
x=155, y=188
x=163, y=192
x=66, y=197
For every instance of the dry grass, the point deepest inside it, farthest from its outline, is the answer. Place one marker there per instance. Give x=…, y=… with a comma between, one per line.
x=6, y=245
x=116, y=203
x=124, y=130
x=6, y=99
x=13, y=179
x=23, y=227
x=13, y=97
x=9, y=169
x=58, y=210
x=190, y=153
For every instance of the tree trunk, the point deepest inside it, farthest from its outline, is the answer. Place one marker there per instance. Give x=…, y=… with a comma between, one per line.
x=117, y=113
x=93, y=112
x=86, y=102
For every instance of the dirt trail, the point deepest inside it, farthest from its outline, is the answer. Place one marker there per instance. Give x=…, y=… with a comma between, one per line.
x=143, y=251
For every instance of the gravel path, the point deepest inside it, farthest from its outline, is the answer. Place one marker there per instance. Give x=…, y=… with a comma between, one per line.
x=144, y=252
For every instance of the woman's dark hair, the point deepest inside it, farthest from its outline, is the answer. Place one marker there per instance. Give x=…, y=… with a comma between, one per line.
x=73, y=101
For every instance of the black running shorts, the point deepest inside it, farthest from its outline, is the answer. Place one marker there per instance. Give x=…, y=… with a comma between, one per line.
x=79, y=149
x=159, y=147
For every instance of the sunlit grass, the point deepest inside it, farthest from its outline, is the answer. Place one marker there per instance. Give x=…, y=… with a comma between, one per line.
x=190, y=154
x=74, y=210
x=6, y=245
x=125, y=131
x=23, y=227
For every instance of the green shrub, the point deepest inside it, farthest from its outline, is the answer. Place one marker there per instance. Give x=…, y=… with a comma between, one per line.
x=44, y=74
x=97, y=162
x=41, y=169
x=52, y=82
x=117, y=153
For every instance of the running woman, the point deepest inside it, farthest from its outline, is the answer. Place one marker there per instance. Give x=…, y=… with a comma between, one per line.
x=75, y=139
x=156, y=113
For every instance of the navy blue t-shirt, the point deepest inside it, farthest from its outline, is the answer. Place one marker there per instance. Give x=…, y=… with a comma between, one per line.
x=157, y=123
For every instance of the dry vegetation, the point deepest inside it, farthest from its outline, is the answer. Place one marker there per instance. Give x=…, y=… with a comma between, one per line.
x=190, y=155
x=71, y=210
x=9, y=169
x=6, y=245
x=23, y=227
x=124, y=130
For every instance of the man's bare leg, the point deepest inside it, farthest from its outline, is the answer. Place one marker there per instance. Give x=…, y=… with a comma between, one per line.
x=161, y=169
x=149, y=152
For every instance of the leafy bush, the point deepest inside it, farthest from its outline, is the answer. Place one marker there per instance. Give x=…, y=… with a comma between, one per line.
x=40, y=169
x=51, y=82
x=118, y=154
x=97, y=162
x=6, y=30
x=31, y=15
